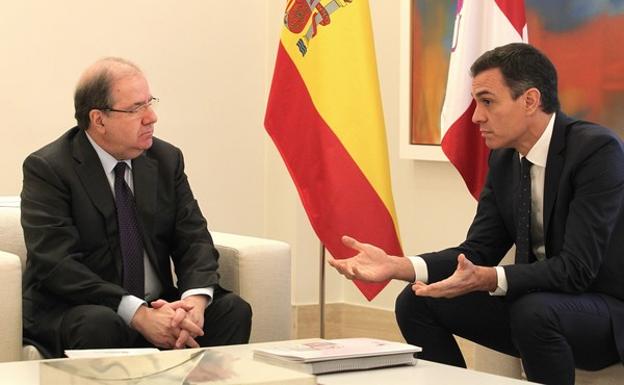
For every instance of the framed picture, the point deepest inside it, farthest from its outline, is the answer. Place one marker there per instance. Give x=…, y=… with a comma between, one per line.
x=583, y=38
x=426, y=33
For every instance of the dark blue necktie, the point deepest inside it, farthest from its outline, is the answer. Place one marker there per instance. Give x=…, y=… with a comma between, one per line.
x=523, y=228
x=129, y=235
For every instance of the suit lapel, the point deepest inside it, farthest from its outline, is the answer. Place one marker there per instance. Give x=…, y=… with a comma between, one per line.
x=145, y=174
x=90, y=171
x=554, y=167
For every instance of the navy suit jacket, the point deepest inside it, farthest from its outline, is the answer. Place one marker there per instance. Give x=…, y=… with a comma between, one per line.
x=583, y=220
x=71, y=232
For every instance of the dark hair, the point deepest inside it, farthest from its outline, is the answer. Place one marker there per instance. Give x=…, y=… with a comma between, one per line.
x=523, y=67
x=92, y=93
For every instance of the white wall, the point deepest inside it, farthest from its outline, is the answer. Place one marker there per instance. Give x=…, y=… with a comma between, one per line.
x=211, y=63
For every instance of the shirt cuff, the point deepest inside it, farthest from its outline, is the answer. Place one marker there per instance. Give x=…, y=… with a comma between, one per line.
x=420, y=269
x=501, y=282
x=128, y=307
x=207, y=291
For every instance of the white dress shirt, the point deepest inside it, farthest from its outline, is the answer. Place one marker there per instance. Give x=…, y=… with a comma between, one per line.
x=130, y=304
x=538, y=155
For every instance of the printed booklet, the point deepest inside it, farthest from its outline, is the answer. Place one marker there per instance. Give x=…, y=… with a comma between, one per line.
x=336, y=355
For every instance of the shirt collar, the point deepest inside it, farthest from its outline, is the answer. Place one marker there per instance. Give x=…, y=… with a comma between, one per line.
x=538, y=154
x=108, y=161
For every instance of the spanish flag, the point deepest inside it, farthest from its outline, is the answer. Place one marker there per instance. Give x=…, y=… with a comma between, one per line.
x=324, y=114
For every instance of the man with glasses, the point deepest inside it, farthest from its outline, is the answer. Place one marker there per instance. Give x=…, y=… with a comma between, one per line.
x=104, y=208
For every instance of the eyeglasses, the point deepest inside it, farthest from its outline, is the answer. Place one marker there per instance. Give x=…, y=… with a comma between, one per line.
x=139, y=109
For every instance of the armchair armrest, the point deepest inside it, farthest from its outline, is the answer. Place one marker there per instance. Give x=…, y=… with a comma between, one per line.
x=10, y=307
x=258, y=270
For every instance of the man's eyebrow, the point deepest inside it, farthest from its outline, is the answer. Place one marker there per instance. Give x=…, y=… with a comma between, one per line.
x=140, y=103
x=482, y=93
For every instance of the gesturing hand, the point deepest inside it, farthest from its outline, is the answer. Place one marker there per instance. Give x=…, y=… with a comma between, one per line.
x=466, y=278
x=370, y=264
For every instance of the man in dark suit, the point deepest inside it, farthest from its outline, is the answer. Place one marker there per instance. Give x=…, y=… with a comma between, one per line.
x=555, y=188
x=105, y=207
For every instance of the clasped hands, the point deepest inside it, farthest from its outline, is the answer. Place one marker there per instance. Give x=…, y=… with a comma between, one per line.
x=172, y=324
x=372, y=264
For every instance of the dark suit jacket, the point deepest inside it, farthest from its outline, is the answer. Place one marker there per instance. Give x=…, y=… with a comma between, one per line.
x=583, y=220
x=70, y=229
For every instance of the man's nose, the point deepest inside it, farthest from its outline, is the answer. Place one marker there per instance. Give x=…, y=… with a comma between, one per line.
x=477, y=115
x=150, y=116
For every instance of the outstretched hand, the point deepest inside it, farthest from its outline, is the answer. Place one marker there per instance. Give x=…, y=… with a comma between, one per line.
x=467, y=278
x=370, y=264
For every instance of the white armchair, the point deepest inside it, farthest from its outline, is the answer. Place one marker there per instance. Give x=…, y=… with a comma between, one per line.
x=255, y=268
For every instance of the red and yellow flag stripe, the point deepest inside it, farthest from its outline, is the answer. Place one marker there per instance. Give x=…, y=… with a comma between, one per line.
x=325, y=116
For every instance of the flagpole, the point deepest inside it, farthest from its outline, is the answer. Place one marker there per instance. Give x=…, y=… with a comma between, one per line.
x=322, y=290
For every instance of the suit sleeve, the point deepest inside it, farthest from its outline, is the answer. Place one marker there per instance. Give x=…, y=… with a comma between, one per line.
x=56, y=261
x=591, y=205
x=486, y=243
x=194, y=255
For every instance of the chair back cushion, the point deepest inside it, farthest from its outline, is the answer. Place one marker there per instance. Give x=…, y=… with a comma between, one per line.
x=11, y=233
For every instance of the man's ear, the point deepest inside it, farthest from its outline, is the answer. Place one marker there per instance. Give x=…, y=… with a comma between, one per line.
x=532, y=100
x=96, y=118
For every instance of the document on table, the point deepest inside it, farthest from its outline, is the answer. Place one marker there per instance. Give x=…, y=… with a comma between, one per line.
x=95, y=353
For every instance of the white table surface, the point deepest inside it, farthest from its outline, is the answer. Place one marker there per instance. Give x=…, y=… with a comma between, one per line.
x=423, y=373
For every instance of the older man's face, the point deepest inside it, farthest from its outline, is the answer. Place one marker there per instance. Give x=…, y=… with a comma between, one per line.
x=502, y=120
x=127, y=135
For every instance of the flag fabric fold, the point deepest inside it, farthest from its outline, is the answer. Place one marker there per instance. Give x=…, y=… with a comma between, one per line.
x=325, y=117
x=480, y=25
